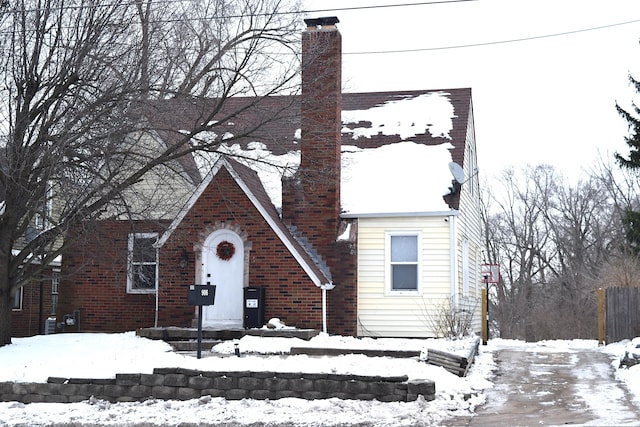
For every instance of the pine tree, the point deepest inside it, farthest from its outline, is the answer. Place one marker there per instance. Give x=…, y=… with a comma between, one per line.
x=631, y=219
x=633, y=139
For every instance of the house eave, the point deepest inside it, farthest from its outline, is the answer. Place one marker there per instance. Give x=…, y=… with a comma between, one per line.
x=350, y=215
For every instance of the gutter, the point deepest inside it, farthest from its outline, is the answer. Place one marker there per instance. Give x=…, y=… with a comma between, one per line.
x=450, y=213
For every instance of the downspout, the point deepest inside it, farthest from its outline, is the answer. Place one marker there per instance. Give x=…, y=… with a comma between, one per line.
x=452, y=259
x=326, y=287
x=155, y=322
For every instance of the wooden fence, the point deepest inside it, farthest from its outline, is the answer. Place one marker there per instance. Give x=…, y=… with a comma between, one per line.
x=622, y=314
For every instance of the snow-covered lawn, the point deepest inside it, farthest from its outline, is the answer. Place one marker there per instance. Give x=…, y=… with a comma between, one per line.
x=103, y=355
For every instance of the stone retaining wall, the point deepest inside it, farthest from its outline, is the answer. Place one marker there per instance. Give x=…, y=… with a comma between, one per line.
x=184, y=384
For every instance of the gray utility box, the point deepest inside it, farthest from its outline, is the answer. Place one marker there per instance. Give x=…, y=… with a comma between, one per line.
x=201, y=294
x=253, y=307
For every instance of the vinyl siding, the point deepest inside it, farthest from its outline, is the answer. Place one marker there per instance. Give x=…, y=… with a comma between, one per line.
x=469, y=229
x=384, y=313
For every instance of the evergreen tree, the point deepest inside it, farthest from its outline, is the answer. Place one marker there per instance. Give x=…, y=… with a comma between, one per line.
x=631, y=219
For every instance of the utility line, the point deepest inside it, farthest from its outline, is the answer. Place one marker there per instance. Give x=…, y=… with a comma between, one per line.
x=394, y=51
x=383, y=6
x=135, y=2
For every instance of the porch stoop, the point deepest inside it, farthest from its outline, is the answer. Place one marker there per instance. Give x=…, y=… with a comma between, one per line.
x=185, y=339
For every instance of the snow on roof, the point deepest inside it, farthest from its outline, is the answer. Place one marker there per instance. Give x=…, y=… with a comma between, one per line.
x=406, y=117
x=396, y=178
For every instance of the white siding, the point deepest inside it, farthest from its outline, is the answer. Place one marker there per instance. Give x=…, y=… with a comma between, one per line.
x=469, y=229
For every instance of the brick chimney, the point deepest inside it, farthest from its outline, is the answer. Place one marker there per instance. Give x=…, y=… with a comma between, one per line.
x=311, y=198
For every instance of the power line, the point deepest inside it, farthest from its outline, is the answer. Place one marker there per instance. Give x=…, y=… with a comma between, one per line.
x=383, y=6
x=565, y=33
x=134, y=2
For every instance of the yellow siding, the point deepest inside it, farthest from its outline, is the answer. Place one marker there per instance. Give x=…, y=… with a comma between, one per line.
x=381, y=313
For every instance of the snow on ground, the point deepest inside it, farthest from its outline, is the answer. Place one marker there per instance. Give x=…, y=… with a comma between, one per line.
x=103, y=355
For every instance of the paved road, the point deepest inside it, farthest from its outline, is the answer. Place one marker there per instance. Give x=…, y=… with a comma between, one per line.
x=554, y=388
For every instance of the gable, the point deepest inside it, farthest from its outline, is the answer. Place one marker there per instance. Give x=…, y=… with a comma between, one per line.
x=252, y=188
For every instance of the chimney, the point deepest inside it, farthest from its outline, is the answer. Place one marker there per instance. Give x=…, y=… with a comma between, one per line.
x=311, y=198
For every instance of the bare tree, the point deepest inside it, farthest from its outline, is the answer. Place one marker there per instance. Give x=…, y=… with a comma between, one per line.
x=518, y=241
x=80, y=83
x=556, y=243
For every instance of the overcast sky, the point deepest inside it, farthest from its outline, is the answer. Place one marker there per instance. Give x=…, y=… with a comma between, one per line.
x=537, y=98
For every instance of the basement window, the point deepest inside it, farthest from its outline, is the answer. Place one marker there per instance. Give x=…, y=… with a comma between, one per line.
x=143, y=263
x=403, y=262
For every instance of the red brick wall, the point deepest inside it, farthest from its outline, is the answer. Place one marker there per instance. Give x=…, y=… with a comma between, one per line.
x=311, y=199
x=342, y=300
x=289, y=293
x=94, y=279
x=94, y=274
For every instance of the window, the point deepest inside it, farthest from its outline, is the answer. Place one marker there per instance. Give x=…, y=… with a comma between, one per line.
x=465, y=268
x=44, y=209
x=17, y=300
x=55, y=285
x=143, y=265
x=403, y=262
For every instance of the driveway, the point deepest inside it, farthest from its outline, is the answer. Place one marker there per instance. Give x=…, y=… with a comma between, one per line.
x=534, y=388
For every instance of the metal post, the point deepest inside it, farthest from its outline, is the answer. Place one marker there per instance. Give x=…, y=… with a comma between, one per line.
x=487, y=301
x=600, y=316
x=199, y=331
x=484, y=315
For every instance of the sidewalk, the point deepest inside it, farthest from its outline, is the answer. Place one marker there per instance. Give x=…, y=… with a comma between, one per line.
x=554, y=388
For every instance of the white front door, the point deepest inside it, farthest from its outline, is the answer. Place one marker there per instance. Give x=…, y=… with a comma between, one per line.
x=223, y=266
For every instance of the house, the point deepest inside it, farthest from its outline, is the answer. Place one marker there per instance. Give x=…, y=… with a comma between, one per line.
x=342, y=211
x=34, y=304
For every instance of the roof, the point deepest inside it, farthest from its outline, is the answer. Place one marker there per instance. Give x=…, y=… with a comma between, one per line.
x=248, y=181
x=396, y=145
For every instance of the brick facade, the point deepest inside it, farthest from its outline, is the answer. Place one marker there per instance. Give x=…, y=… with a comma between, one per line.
x=94, y=279
x=289, y=293
x=96, y=273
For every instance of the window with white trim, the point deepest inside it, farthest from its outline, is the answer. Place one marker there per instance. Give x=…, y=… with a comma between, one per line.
x=143, y=263
x=55, y=289
x=403, y=262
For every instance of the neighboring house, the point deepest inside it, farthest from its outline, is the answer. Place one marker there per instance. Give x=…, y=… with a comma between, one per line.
x=35, y=303
x=361, y=230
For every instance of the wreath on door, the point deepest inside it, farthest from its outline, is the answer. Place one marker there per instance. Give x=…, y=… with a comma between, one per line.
x=225, y=250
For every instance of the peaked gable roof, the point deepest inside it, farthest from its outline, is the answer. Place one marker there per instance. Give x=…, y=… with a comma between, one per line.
x=247, y=179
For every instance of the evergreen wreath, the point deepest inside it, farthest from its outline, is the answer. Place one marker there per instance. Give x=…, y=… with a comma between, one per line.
x=225, y=250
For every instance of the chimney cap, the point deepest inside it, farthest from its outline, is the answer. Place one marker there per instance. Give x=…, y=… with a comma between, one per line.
x=321, y=22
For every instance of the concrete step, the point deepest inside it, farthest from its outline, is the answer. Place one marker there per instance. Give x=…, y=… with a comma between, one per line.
x=187, y=334
x=193, y=345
